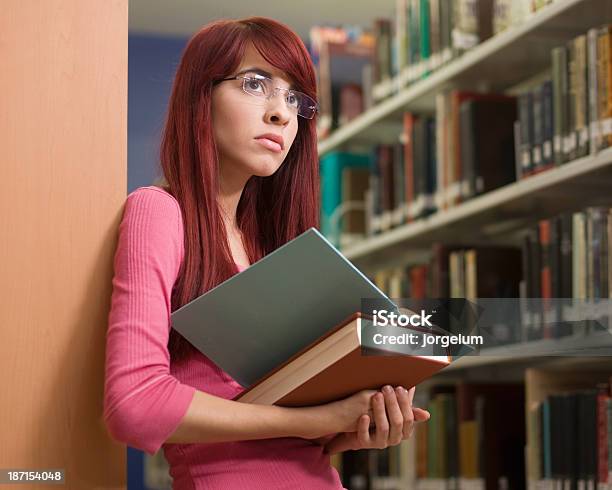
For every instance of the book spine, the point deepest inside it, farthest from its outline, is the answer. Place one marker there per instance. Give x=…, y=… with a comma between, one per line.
x=594, y=120
x=538, y=129
x=571, y=143
x=408, y=137
x=548, y=124
x=425, y=41
x=559, y=73
x=582, y=108
x=526, y=123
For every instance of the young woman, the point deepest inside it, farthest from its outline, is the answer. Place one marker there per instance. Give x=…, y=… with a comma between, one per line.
x=240, y=165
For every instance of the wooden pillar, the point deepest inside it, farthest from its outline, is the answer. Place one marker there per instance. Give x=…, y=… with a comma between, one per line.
x=63, y=183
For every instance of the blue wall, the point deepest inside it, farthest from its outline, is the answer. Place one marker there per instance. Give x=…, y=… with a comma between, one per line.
x=152, y=62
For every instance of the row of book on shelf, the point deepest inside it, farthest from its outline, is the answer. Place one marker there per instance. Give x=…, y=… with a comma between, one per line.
x=426, y=34
x=565, y=256
x=358, y=67
x=475, y=143
x=552, y=430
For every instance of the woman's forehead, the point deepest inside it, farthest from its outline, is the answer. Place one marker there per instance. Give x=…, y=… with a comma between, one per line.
x=253, y=59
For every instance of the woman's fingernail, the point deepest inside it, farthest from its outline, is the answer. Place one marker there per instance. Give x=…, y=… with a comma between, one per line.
x=387, y=389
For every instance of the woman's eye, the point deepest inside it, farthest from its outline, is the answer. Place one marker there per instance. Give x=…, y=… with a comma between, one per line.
x=255, y=85
x=292, y=100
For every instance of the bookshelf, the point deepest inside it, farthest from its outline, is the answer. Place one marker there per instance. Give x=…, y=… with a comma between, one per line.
x=510, y=62
x=497, y=64
x=504, y=209
x=598, y=345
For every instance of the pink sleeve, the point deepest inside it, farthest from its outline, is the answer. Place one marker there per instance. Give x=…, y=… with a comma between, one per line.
x=143, y=402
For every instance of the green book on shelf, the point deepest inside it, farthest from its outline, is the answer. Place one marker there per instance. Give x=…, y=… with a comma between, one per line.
x=331, y=167
x=424, y=32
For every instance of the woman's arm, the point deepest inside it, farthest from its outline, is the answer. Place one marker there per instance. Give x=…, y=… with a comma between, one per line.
x=213, y=419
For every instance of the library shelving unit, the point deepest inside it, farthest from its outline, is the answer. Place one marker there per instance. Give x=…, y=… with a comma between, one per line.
x=506, y=63
x=499, y=63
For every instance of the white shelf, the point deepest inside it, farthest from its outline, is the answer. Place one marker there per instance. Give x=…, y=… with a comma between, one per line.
x=569, y=187
x=499, y=63
x=596, y=346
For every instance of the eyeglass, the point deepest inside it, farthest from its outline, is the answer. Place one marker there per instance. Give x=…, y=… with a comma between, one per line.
x=260, y=86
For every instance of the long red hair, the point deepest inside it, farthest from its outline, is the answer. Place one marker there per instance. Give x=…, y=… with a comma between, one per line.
x=272, y=210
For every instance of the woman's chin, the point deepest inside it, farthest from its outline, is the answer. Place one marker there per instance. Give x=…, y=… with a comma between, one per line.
x=265, y=170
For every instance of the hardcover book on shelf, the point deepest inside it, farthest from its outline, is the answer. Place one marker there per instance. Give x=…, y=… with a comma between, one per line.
x=487, y=145
x=294, y=336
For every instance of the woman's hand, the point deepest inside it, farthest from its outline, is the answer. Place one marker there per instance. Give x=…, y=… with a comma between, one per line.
x=393, y=417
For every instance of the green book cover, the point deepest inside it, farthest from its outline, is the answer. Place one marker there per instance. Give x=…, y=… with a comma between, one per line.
x=331, y=166
x=424, y=32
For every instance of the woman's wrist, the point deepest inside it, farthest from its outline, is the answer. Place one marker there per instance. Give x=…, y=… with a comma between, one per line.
x=310, y=422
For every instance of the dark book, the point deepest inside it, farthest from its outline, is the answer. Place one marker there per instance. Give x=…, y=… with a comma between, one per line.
x=570, y=456
x=548, y=157
x=566, y=222
x=533, y=320
x=399, y=184
x=581, y=96
x=525, y=115
x=603, y=398
x=487, y=143
x=560, y=102
x=596, y=253
x=386, y=184
x=560, y=278
x=431, y=167
x=385, y=161
x=375, y=188
x=409, y=120
x=587, y=443
x=538, y=128
x=545, y=276
x=355, y=469
x=571, y=142
x=498, y=271
x=421, y=150
x=556, y=436
x=457, y=184
x=500, y=411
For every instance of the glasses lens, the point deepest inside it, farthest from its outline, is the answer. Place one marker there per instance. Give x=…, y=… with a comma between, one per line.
x=307, y=106
x=263, y=87
x=259, y=86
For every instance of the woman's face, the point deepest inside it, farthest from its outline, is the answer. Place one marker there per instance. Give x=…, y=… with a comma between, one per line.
x=240, y=120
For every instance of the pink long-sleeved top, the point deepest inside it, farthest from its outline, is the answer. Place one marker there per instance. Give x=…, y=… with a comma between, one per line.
x=146, y=395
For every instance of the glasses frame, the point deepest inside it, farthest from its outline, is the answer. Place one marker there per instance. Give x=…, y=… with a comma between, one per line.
x=275, y=91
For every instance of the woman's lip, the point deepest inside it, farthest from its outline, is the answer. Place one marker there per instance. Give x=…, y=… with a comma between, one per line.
x=269, y=144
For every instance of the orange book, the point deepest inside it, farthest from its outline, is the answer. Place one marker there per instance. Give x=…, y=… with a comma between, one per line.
x=333, y=368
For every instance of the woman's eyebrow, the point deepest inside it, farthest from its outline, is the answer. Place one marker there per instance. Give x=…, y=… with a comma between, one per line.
x=260, y=71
